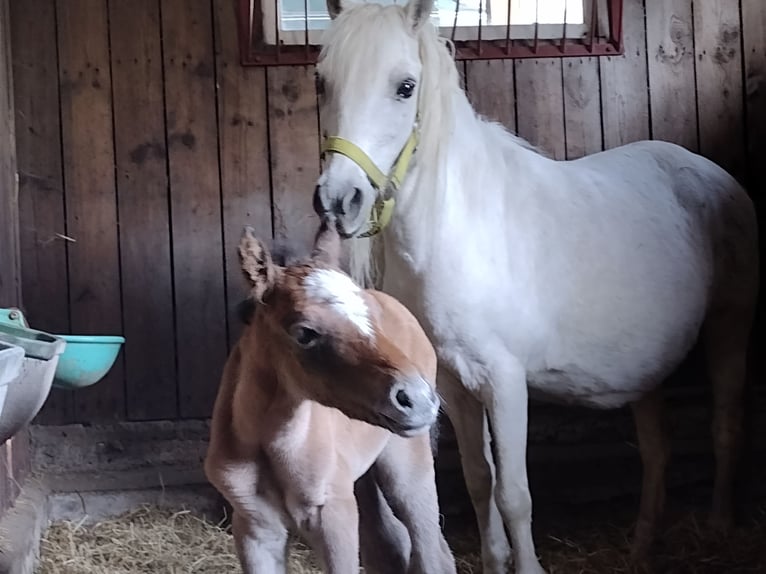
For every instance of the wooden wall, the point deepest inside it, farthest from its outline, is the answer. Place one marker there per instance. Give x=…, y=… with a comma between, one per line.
x=14, y=453
x=144, y=147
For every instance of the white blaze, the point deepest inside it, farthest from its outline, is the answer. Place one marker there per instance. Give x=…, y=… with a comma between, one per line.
x=342, y=294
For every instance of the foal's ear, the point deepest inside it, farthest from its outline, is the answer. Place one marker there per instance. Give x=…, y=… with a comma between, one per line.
x=418, y=12
x=257, y=266
x=327, y=243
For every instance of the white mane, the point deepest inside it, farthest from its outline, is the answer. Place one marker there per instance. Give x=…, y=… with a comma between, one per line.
x=356, y=36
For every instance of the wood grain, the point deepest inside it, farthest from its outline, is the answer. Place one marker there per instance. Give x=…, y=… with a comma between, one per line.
x=670, y=41
x=192, y=133
x=243, y=139
x=41, y=188
x=491, y=90
x=91, y=207
x=717, y=37
x=540, y=109
x=10, y=275
x=142, y=191
x=582, y=107
x=754, y=42
x=294, y=137
x=624, y=94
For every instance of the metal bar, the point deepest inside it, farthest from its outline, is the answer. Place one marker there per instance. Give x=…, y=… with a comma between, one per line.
x=245, y=27
x=454, y=21
x=276, y=28
x=537, y=26
x=508, y=28
x=593, y=23
x=615, y=24
x=306, y=26
x=254, y=52
x=481, y=6
x=563, y=47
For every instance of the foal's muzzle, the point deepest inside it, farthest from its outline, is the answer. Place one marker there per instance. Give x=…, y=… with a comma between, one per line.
x=413, y=408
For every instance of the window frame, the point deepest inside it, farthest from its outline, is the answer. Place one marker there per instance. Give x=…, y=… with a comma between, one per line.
x=602, y=37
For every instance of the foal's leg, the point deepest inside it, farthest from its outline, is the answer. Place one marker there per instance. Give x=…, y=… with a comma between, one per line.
x=467, y=416
x=333, y=531
x=655, y=451
x=405, y=472
x=258, y=522
x=506, y=398
x=383, y=540
x=726, y=336
x=260, y=539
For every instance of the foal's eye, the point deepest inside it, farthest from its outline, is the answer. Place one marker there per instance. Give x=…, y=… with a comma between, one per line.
x=405, y=89
x=306, y=337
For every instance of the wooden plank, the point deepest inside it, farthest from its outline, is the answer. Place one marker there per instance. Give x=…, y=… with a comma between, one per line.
x=244, y=147
x=582, y=107
x=141, y=154
x=754, y=42
x=491, y=90
x=10, y=274
x=717, y=37
x=294, y=137
x=670, y=47
x=195, y=202
x=41, y=189
x=540, y=106
x=624, y=97
x=91, y=207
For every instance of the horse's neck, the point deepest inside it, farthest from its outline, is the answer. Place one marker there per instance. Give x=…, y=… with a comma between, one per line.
x=477, y=174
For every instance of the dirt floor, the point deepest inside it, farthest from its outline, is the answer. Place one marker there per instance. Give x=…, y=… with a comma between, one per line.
x=155, y=541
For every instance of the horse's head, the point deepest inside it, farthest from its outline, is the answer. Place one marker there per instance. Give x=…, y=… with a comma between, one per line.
x=324, y=337
x=368, y=80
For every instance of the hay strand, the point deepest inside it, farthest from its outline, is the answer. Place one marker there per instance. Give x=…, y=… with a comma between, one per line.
x=154, y=541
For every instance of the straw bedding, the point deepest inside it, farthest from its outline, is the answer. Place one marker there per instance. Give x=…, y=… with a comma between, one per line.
x=150, y=540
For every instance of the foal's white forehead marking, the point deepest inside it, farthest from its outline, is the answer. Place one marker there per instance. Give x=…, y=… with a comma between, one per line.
x=342, y=294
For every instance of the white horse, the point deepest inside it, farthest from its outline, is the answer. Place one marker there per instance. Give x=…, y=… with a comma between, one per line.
x=583, y=281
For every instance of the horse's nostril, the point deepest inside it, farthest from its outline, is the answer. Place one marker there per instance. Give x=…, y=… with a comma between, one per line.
x=317, y=201
x=403, y=399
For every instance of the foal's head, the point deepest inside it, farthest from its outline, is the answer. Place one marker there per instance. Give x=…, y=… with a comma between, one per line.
x=323, y=336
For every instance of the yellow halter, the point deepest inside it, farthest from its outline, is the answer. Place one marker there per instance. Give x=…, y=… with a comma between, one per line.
x=383, y=209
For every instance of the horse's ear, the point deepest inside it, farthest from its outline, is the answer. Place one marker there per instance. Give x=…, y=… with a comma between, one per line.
x=327, y=243
x=418, y=12
x=334, y=7
x=257, y=266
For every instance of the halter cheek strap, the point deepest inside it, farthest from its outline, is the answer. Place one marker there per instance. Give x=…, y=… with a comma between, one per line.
x=385, y=185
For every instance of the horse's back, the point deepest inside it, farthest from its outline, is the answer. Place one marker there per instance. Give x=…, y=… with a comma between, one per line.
x=716, y=204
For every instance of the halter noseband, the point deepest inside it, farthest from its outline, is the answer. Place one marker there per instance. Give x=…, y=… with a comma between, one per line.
x=385, y=185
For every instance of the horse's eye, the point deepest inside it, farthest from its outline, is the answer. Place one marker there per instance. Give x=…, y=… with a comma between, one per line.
x=306, y=337
x=319, y=81
x=405, y=89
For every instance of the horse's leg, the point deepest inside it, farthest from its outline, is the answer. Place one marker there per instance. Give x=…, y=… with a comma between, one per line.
x=383, y=540
x=655, y=451
x=507, y=403
x=467, y=416
x=333, y=531
x=405, y=473
x=726, y=336
x=260, y=539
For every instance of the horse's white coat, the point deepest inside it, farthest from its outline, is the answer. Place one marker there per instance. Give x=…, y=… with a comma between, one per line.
x=342, y=294
x=584, y=281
